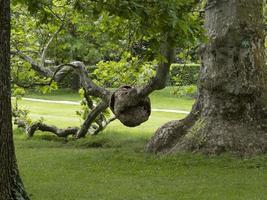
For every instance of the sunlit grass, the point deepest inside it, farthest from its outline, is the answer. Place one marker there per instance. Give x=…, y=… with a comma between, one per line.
x=164, y=99
x=65, y=115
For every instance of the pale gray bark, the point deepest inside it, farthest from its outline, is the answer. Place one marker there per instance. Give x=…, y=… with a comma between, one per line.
x=230, y=112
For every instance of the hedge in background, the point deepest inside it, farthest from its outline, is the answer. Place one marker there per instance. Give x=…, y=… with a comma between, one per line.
x=184, y=74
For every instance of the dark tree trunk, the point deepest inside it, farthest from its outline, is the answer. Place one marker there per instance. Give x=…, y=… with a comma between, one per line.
x=11, y=187
x=230, y=112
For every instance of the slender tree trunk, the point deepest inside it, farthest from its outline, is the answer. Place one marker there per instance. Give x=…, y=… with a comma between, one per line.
x=11, y=187
x=230, y=112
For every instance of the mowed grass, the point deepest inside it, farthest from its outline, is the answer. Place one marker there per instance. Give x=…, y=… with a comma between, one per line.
x=164, y=99
x=114, y=166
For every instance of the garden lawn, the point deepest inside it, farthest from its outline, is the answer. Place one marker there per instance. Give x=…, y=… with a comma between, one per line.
x=114, y=166
x=163, y=99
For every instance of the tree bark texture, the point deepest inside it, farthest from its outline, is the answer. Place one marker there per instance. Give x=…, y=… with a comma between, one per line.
x=230, y=111
x=11, y=187
x=130, y=109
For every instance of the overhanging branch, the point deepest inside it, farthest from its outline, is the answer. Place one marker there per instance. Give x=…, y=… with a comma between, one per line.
x=159, y=81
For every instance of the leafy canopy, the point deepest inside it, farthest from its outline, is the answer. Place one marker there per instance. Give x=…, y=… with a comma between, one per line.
x=110, y=34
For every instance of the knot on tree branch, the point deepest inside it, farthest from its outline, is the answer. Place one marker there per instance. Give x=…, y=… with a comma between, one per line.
x=128, y=107
x=79, y=66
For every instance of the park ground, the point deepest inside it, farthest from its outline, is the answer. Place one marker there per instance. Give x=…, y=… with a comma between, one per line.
x=114, y=166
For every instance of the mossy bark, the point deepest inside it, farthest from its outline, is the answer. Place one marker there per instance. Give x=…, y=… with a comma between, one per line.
x=11, y=187
x=230, y=112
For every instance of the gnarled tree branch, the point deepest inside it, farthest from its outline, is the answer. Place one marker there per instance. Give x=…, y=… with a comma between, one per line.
x=43, y=71
x=90, y=119
x=136, y=107
x=52, y=129
x=32, y=128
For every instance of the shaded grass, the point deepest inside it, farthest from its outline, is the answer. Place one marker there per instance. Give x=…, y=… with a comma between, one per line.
x=119, y=169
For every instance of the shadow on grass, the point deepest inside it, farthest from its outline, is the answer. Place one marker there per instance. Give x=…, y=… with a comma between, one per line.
x=107, y=139
x=121, y=142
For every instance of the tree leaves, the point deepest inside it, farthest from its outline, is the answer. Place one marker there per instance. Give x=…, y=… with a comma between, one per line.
x=100, y=31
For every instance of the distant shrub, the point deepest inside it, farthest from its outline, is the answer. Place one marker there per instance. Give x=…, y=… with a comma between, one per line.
x=186, y=91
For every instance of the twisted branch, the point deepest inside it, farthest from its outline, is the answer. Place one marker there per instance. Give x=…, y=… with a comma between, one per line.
x=57, y=73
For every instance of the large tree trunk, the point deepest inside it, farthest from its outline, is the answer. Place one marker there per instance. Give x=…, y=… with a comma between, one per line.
x=11, y=187
x=230, y=112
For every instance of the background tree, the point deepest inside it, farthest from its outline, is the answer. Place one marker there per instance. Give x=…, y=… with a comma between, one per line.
x=230, y=112
x=11, y=187
x=149, y=40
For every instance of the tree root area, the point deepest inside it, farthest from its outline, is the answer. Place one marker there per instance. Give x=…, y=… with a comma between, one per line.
x=210, y=135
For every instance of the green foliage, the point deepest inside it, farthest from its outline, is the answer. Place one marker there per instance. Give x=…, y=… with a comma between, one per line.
x=184, y=77
x=18, y=92
x=20, y=113
x=84, y=36
x=48, y=88
x=151, y=21
x=184, y=74
x=124, y=72
x=29, y=37
x=186, y=91
x=82, y=113
x=124, y=35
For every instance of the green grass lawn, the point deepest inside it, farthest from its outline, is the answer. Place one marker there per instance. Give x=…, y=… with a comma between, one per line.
x=159, y=99
x=114, y=166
